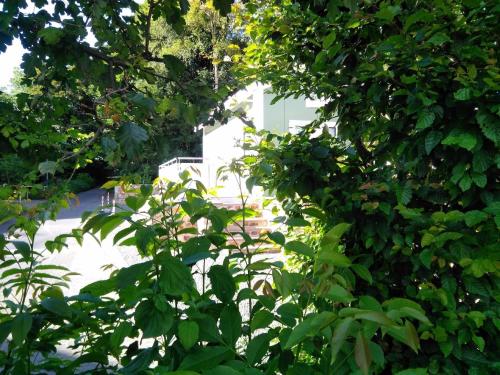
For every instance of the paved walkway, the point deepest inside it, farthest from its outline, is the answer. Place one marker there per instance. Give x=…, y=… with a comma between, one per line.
x=89, y=258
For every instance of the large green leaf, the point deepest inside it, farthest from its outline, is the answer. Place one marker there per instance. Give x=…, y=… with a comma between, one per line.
x=21, y=325
x=460, y=138
x=141, y=361
x=310, y=327
x=257, y=348
x=57, y=306
x=432, y=139
x=261, y=319
x=175, y=276
x=362, y=353
x=129, y=275
x=206, y=358
x=299, y=247
x=230, y=323
x=188, y=333
x=223, y=284
x=131, y=136
x=339, y=336
x=152, y=321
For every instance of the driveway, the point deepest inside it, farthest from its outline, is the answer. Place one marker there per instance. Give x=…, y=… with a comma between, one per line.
x=89, y=258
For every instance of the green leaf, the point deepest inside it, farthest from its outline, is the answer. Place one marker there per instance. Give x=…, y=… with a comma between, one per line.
x=129, y=275
x=489, y=126
x=339, y=336
x=188, y=333
x=174, y=65
x=362, y=272
x=57, y=306
x=426, y=257
x=413, y=371
x=51, y=35
x=414, y=313
x=425, y=119
x=463, y=94
x=362, y=354
x=479, y=179
x=310, y=327
x=23, y=248
x=334, y=235
x=47, y=167
x=329, y=39
x=21, y=325
x=135, y=202
x=131, y=136
x=377, y=353
x=206, y=358
x=461, y=139
x=418, y=16
x=299, y=248
x=479, y=341
x=100, y=288
x=230, y=323
x=277, y=237
x=403, y=193
x=438, y=39
x=223, y=6
x=152, y=321
x=141, y=361
x=481, y=161
x=175, y=276
x=333, y=257
x=109, y=225
x=222, y=370
x=223, y=284
x=119, y=334
x=374, y=316
x=289, y=312
x=257, y=348
x=398, y=303
x=5, y=330
x=432, y=139
x=339, y=294
x=110, y=184
x=261, y=319
x=474, y=217
x=406, y=334
x=465, y=183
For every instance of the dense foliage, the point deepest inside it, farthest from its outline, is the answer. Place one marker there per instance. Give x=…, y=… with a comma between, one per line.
x=393, y=225
x=177, y=311
x=414, y=87
x=104, y=80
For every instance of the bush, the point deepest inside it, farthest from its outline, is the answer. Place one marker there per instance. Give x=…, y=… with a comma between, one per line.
x=13, y=169
x=81, y=182
x=245, y=313
x=415, y=169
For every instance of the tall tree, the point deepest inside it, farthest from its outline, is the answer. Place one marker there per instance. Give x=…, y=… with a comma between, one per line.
x=100, y=96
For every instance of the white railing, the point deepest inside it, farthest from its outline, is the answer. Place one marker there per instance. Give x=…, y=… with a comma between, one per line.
x=202, y=169
x=182, y=160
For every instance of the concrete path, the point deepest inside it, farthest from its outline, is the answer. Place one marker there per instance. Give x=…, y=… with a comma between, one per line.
x=89, y=258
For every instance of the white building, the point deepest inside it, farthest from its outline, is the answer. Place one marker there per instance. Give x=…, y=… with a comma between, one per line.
x=221, y=142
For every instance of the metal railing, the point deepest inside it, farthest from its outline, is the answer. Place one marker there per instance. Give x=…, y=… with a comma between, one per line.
x=182, y=160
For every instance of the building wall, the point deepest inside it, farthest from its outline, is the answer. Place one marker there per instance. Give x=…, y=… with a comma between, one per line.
x=277, y=116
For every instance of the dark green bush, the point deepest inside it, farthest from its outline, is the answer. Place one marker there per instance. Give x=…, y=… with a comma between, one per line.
x=414, y=88
x=81, y=182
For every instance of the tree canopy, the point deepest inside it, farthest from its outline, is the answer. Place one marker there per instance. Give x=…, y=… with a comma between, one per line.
x=112, y=78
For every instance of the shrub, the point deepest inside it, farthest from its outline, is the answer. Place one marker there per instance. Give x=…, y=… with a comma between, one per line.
x=197, y=302
x=413, y=88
